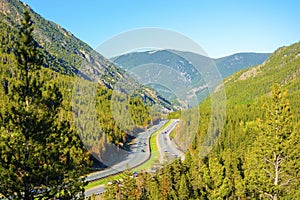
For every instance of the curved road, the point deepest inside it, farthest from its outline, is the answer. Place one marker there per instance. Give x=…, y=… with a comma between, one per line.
x=140, y=152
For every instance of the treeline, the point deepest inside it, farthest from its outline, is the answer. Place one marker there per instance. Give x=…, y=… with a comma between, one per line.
x=256, y=156
x=43, y=151
x=41, y=156
x=108, y=121
x=260, y=161
x=112, y=132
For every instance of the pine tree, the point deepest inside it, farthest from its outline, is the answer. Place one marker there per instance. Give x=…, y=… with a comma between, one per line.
x=165, y=188
x=112, y=191
x=154, y=192
x=129, y=188
x=183, y=192
x=205, y=183
x=173, y=195
x=217, y=177
x=271, y=169
x=40, y=155
x=233, y=184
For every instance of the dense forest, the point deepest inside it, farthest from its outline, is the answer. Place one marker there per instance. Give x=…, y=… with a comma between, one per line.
x=257, y=153
x=43, y=152
x=46, y=141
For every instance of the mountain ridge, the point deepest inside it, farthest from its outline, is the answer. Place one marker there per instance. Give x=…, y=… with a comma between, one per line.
x=67, y=54
x=197, y=71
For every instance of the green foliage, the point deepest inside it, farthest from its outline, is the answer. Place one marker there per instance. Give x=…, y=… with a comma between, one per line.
x=237, y=168
x=98, y=141
x=261, y=131
x=41, y=156
x=271, y=168
x=64, y=53
x=187, y=64
x=183, y=191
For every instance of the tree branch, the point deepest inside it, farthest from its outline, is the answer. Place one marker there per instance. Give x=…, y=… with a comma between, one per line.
x=269, y=173
x=266, y=160
x=287, y=182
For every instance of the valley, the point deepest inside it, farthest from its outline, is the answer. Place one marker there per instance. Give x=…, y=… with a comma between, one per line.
x=147, y=124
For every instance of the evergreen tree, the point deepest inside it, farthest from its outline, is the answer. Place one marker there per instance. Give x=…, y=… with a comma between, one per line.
x=183, y=192
x=272, y=166
x=112, y=191
x=206, y=181
x=129, y=188
x=217, y=177
x=41, y=157
x=141, y=186
x=233, y=184
x=165, y=188
x=154, y=192
x=173, y=195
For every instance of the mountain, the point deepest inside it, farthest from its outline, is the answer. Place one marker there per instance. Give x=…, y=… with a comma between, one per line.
x=230, y=64
x=233, y=63
x=198, y=73
x=74, y=67
x=255, y=154
x=256, y=119
x=66, y=54
x=281, y=67
x=247, y=89
x=177, y=59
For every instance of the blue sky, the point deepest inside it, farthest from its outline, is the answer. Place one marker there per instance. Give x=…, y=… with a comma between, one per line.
x=220, y=27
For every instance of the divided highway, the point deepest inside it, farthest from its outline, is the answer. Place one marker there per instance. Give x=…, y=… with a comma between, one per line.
x=167, y=149
x=140, y=153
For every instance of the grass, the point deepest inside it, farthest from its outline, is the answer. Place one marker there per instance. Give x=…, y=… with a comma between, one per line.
x=154, y=151
x=147, y=165
x=103, y=181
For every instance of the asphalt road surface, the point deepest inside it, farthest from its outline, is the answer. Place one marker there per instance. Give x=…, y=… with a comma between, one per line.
x=140, y=152
x=167, y=148
x=96, y=190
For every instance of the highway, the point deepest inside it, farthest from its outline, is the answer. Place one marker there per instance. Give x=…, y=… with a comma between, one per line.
x=140, y=152
x=95, y=190
x=167, y=148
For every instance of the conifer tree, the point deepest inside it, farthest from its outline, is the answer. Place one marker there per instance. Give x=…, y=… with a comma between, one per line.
x=154, y=192
x=217, y=177
x=173, y=195
x=41, y=157
x=129, y=188
x=112, y=191
x=272, y=167
x=183, y=192
x=165, y=188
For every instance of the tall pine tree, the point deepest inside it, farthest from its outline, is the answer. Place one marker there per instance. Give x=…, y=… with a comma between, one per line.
x=271, y=164
x=41, y=157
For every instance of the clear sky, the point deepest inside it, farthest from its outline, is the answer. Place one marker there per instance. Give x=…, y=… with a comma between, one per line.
x=220, y=27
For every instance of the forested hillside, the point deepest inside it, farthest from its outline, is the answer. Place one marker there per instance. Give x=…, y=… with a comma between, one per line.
x=257, y=153
x=66, y=60
x=139, y=110
x=188, y=68
x=47, y=138
x=66, y=54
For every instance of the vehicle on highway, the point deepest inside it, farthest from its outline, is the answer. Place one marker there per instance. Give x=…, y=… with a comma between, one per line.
x=135, y=174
